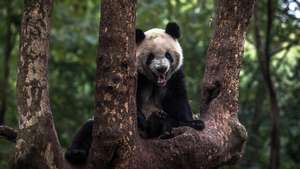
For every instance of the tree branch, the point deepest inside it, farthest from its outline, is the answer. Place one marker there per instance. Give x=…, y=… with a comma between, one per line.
x=286, y=47
x=192, y=149
x=116, y=141
x=8, y=133
x=222, y=141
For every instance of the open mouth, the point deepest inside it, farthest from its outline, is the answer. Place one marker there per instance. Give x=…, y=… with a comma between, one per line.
x=161, y=80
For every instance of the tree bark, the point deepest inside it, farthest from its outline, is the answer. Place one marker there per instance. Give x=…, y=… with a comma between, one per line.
x=223, y=138
x=7, y=55
x=37, y=146
x=116, y=142
x=115, y=119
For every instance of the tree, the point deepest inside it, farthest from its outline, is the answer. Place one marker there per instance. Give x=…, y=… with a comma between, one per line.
x=115, y=125
x=37, y=144
x=7, y=56
x=115, y=129
x=116, y=142
x=274, y=39
x=264, y=57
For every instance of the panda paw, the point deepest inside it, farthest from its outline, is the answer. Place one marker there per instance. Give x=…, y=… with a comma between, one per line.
x=196, y=124
x=167, y=135
x=161, y=115
x=76, y=156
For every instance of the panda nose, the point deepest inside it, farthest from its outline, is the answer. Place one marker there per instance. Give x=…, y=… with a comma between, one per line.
x=161, y=69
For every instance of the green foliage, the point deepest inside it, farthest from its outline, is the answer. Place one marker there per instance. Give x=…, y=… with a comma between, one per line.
x=74, y=39
x=72, y=64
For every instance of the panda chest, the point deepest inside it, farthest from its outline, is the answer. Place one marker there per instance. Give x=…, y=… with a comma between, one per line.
x=152, y=98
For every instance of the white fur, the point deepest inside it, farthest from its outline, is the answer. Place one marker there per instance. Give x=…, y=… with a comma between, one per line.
x=158, y=40
x=160, y=62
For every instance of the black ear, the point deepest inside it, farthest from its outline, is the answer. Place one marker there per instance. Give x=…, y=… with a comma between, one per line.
x=173, y=29
x=139, y=36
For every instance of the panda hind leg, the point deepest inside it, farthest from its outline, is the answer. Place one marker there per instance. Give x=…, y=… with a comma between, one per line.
x=78, y=152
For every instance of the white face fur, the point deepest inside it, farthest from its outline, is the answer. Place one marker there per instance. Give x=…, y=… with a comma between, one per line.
x=159, y=56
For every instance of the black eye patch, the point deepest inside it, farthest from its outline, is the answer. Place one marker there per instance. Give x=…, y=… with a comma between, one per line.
x=169, y=57
x=149, y=59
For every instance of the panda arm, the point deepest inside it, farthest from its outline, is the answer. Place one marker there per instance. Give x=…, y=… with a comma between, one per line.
x=141, y=120
x=175, y=102
x=78, y=151
x=176, y=105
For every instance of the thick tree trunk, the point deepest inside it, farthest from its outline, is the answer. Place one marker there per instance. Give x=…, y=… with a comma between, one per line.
x=223, y=138
x=7, y=55
x=37, y=145
x=116, y=141
x=115, y=119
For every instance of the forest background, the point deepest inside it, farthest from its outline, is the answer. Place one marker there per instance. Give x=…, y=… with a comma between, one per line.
x=72, y=66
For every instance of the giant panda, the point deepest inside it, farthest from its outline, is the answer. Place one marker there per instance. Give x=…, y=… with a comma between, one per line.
x=162, y=102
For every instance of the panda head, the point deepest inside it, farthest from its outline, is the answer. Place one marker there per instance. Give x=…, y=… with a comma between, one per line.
x=159, y=54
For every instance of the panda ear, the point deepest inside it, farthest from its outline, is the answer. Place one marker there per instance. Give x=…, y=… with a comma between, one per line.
x=173, y=29
x=139, y=36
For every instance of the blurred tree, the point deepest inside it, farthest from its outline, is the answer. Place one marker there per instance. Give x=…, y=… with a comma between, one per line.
x=264, y=57
x=273, y=38
x=10, y=31
x=7, y=54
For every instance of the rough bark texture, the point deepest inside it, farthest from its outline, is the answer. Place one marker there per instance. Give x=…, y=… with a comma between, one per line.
x=223, y=138
x=37, y=145
x=264, y=58
x=116, y=142
x=115, y=119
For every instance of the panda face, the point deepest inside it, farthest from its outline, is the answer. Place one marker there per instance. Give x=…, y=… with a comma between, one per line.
x=159, y=55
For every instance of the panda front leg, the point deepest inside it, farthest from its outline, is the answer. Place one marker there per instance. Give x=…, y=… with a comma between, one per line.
x=176, y=103
x=170, y=123
x=78, y=152
x=153, y=126
x=196, y=124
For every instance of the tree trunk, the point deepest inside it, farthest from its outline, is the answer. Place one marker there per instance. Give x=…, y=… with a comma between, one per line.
x=7, y=55
x=115, y=119
x=116, y=141
x=37, y=146
x=264, y=57
x=274, y=108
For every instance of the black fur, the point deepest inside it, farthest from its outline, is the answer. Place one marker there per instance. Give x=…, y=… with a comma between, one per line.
x=173, y=29
x=175, y=102
x=175, y=110
x=139, y=36
x=78, y=152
